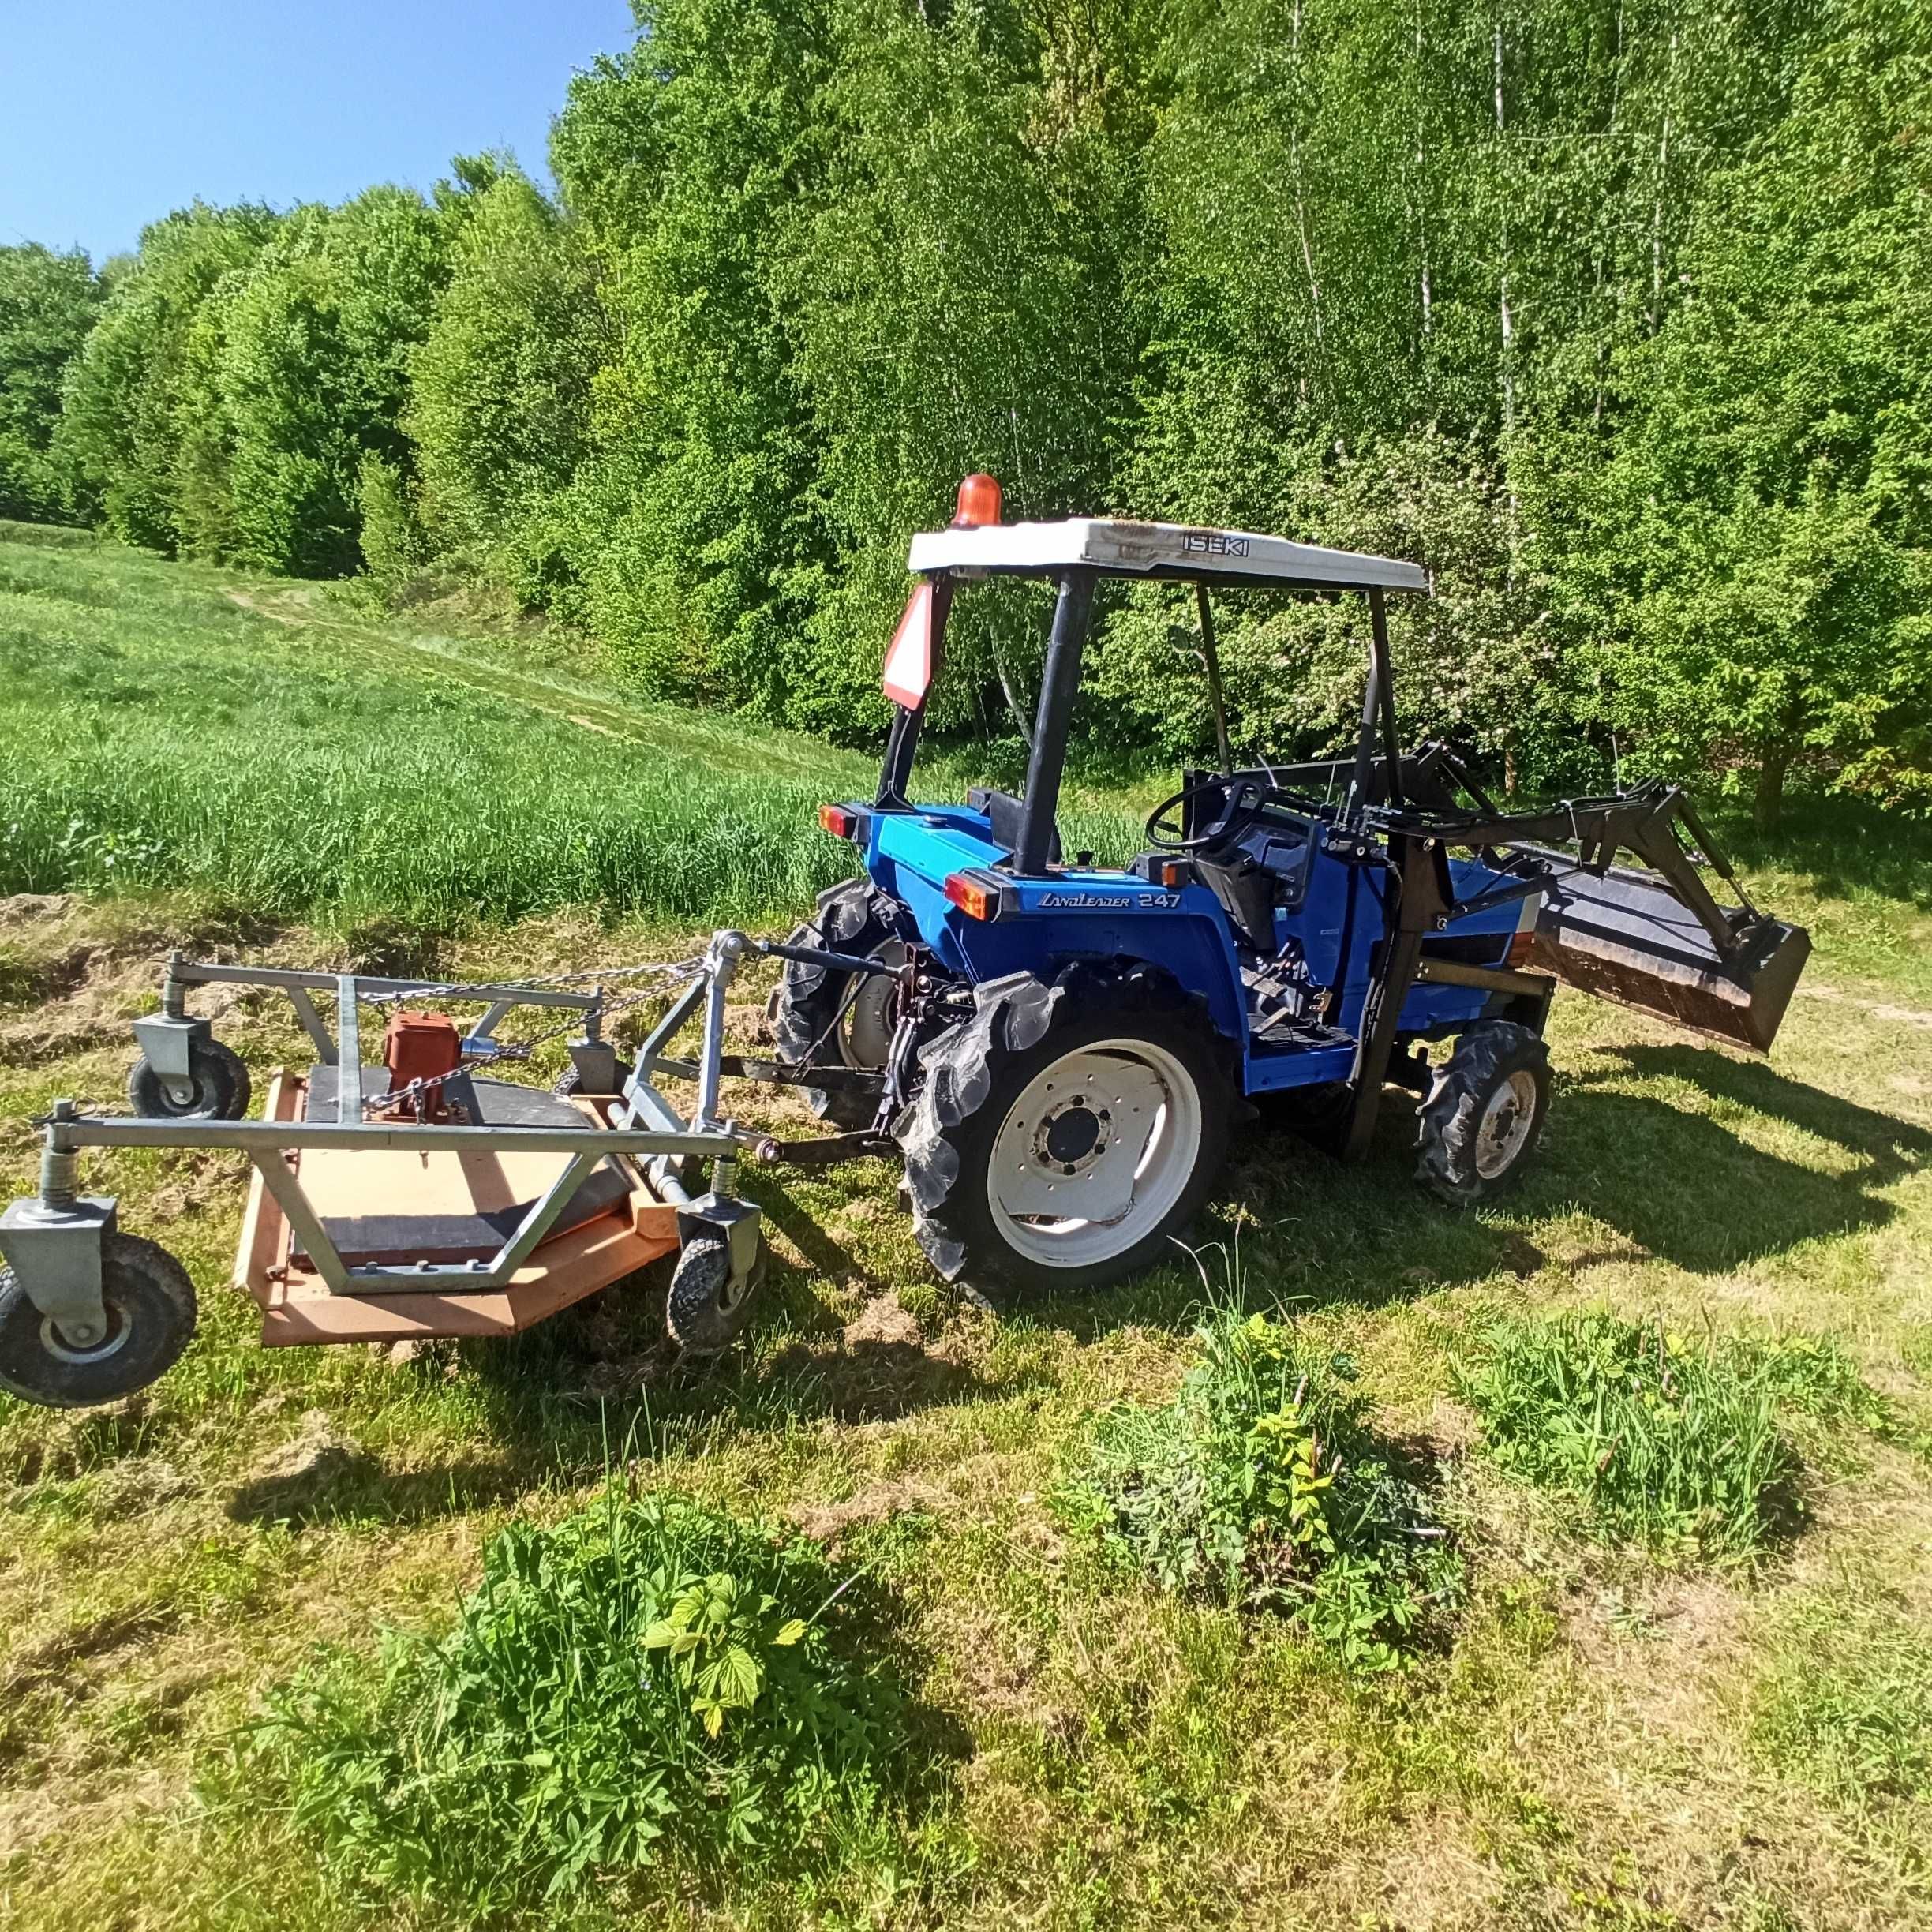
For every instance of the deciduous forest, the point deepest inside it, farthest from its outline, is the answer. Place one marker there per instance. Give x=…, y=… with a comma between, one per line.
x=1618, y=313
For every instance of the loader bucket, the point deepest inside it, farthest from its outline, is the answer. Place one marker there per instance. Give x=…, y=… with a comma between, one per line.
x=1627, y=937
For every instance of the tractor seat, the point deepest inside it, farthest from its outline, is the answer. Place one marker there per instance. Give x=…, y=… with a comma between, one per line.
x=1004, y=813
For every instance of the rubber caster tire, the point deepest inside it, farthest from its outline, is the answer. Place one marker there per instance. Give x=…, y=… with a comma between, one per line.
x=218, y=1074
x=703, y=1312
x=1480, y=1125
x=151, y=1320
x=819, y=1011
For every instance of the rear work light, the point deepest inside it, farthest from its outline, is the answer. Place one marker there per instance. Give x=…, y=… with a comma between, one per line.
x=977, y=900
x=979, y=502
x=840, y=821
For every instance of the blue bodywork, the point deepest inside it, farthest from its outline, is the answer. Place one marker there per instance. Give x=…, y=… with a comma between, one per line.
x=1077, y=912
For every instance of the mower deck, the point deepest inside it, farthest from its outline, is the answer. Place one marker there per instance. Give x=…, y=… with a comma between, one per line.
x=438, y=1206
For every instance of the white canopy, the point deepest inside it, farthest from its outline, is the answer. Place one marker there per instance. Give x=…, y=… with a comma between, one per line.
x=1124, y=549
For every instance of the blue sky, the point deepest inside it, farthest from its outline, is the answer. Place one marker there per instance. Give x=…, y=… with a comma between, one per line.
x=112, y=112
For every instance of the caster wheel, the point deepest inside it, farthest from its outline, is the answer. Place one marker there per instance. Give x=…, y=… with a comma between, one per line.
x=706, y=1310
x=217, y=1087
x=151, y=1319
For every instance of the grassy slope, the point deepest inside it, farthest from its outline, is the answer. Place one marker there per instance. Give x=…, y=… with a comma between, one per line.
x=1601, y=1748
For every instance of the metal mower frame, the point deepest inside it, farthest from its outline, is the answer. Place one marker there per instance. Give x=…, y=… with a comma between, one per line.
x=54, y=1241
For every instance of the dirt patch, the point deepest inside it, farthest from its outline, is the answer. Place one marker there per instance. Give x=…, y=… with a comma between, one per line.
x=34, y=908
x=826, y=1522
x=884, y=1324
x=292, y=1481
x=880, y=1368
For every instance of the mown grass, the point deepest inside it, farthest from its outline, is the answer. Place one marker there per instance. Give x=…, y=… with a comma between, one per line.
x=1600, y=1739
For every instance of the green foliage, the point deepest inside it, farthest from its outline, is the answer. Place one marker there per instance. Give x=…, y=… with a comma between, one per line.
x=391, y=541
x=1665, y=1442
x=315, y=373
x=128, y=397
x=649, y=1680
x=1613, y=315
x=1263, y=1486
x=48, y=303
x=499, y=398
x=685, y=159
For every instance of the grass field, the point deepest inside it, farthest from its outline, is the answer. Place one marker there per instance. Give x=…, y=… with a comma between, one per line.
x=267, y=746
x=1608, y=1735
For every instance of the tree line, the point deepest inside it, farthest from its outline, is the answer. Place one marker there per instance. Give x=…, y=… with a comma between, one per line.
x=1616, y=312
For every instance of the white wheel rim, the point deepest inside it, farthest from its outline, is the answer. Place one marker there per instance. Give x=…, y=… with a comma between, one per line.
x=1505, y=1125
x=1095, y=1153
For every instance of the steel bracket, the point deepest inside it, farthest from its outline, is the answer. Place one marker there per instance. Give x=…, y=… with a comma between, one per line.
x=596, y=1062
x=56, y=1254
x=740, y=1222
x=166, y=1044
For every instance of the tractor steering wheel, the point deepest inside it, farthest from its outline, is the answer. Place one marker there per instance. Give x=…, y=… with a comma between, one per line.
x=1241, y=800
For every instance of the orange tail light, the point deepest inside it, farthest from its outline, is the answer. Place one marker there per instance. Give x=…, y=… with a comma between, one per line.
x=976, y=901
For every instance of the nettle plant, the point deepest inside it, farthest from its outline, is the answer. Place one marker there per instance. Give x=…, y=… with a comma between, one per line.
x=1263, y=1487
x=650, y=1682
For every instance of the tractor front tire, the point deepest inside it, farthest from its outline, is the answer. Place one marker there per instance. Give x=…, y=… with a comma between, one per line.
x=1065, y=1134
x=151, y=1310
x=821, y=1016
x=1483, y=1118
x=218, y=1081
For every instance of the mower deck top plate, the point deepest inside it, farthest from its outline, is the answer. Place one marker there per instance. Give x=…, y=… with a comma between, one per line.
x=444, y=1206
x=587, y=1251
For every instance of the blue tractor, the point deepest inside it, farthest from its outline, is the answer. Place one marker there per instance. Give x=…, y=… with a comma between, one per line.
x=1062, y=1052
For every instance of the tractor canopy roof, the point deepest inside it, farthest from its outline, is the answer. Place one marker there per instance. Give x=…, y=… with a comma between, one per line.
x=1116, y=548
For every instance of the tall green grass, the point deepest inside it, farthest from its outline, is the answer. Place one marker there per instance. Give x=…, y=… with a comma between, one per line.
x=323, y=766
x=158, y=736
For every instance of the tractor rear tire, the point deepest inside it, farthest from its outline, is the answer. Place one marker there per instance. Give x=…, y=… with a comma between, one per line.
x=218, y=1079
x=151, y=1320
x=820, y=1013
x=1113, y=1082
x=1483, y=1118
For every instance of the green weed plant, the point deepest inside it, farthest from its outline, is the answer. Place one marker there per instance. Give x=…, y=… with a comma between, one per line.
x=1673, y=1445
x=1262, y=1486
x=649, y=1680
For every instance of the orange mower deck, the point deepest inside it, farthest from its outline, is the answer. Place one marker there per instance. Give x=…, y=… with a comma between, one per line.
x=398, y=1190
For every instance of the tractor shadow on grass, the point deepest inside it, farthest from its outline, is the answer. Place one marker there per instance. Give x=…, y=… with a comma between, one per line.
x=1699, y=1185
x=1691, y=1186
